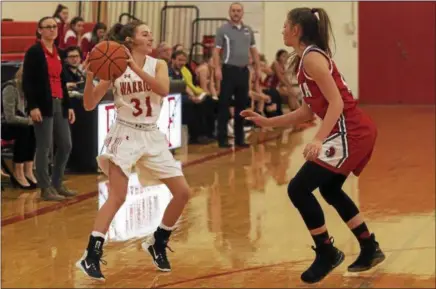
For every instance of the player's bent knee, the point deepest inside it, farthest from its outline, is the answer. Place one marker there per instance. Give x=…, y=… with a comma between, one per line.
x=298, y=192
x=182, y=195
x=293, y=192
x=179, y=188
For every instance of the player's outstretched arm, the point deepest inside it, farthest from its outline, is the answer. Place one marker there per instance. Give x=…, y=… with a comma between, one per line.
x=302, y=114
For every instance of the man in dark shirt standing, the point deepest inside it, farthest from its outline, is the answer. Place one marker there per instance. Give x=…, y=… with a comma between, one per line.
x=237, y=41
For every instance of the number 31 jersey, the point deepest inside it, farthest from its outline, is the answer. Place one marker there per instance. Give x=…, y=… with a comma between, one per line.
x=134, y=101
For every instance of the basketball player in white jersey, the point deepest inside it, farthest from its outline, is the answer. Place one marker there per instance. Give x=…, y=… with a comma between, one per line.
x=134, y=141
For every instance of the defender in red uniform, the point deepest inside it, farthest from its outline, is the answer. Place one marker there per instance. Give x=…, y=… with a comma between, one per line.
x=349, y=145
x=342, y=145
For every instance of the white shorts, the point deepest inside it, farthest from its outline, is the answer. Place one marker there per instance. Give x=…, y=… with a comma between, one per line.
x=139, y=147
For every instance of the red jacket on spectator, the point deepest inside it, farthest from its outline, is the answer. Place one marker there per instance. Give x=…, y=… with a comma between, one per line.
x=70, y=39
x=86, y=44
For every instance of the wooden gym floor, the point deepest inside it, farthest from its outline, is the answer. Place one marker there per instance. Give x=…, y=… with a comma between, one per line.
x=239, y=229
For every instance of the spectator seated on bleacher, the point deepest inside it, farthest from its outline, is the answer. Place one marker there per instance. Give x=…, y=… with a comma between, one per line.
x=280, y=81
x=73, y=75
x=74, y=34
x=16, y=125
x=259, y=100
x=273, y=107
x=204, y=76
x=164, y=52
x=196, y=111
x=187, y=75
x=91, y=38
x=178, y=70
x=189, y=80
x=177, y=47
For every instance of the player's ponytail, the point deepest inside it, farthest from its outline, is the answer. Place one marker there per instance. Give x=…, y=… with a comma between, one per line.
x=324, y=30
x=315, y=29
x=124, y=34
x=114, y=34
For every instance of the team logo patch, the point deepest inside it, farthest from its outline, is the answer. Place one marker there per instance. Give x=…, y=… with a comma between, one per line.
x=330, y=152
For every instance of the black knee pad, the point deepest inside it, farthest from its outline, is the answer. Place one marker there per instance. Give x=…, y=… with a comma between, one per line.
x=305, y=202
x=296, y=192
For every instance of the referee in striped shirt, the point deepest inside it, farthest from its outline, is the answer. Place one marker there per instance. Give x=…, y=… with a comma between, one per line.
x=236, y=41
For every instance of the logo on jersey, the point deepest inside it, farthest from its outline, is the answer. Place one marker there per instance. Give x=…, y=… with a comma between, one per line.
x=330, y=152
x=305, y=90
x=130, y=87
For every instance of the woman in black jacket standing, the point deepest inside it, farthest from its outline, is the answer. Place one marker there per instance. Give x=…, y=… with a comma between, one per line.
x=49, y=105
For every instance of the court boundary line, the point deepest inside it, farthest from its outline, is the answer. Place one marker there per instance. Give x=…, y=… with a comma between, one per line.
x=363, y=275
x=224, y=273
x=86, y=196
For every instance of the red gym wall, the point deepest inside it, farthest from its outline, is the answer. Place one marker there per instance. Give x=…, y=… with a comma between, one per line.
x=397, y=52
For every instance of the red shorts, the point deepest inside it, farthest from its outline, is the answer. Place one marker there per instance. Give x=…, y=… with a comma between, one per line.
x=342, y=154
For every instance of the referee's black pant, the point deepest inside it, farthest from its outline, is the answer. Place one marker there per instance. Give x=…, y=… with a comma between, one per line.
x=234, y=83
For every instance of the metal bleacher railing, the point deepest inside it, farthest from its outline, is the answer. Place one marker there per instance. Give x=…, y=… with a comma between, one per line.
x=174, y=24
x=112, y=12
x=205, y=33
x=183, y=24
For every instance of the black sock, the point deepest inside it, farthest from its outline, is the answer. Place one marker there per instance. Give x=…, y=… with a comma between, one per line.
x=95, y=245
x=321, y=239
x=361, y=232
x=162, y=235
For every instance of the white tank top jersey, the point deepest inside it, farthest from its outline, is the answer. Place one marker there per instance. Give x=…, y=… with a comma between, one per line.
x=134, y=101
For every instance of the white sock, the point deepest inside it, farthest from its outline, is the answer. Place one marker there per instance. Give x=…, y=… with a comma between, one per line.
x=98, y=234
x=162, y=226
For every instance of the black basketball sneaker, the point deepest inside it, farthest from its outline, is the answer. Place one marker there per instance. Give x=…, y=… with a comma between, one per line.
x=370, y=256
x=91, y=259
x=328, y=257
x=156, y=246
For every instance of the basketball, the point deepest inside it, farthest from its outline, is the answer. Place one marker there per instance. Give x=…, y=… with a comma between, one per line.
x=108, y=60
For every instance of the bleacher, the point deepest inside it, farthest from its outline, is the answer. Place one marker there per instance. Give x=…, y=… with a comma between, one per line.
x=18, y=36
